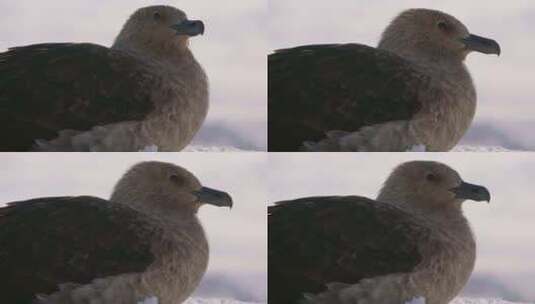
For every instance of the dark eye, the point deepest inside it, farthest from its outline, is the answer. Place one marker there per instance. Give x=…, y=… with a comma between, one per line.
x=442, y=25
x=431, y=177
x=175, y=178
x=156, y=16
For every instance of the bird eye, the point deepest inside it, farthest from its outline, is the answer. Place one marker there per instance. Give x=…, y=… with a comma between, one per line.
x=156, y=16
x=442, y=25
x=431, y=177
x=174, y=178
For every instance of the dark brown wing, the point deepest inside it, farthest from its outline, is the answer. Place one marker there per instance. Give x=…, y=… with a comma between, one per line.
x=318, y=88
x=317, y=240
x=45, y=88
x=48, y=241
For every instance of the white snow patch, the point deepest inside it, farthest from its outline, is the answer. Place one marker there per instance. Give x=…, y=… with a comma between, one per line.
x=151, y=148
x=480, y=149
x=151, y=300
x=464, y=148
x=482, y=301
x=215, y=301
x=417, y=148
x=196, y=148
x=201, y=148
x=419, y=300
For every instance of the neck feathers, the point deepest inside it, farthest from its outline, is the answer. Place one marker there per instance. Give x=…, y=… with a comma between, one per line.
x=175, y=50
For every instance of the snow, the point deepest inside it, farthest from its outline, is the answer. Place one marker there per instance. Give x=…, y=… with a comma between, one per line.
x=151, y=148
x=197, y=148
x=154, y=300
x=417, y=148
x=215, y=301
x=202, y=148
x=483, y=301
x=421, y=300
x=466, y=148
x=151, y=300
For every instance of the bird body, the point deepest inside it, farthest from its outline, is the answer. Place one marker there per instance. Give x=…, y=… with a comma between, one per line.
x=75, y=250
x=351, y=249
x=147, y=89
x=413, y=89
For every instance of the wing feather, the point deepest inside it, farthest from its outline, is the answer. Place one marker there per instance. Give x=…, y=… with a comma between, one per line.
x=318, y=240
x=45, y=88
x=318, y=88
x=48, y=241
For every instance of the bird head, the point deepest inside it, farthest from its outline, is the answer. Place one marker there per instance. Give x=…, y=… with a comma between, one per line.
x=433, y=34
x=429, y=185
x=167, y=188
x=158, y=27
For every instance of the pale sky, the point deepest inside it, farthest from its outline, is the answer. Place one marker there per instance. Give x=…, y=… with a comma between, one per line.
x=504, y=84
x=504, y=228
x=237, y=237
x=232, y=50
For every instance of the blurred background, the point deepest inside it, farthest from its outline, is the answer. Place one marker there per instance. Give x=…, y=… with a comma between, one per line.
x=232, y=52
x=237, y=237
x=506, y=111
x=504, y=229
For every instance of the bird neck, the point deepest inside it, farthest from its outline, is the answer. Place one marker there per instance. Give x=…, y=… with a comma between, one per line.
x=156, y=205
x=449, y=213
x=176, y=52
x=423, y=54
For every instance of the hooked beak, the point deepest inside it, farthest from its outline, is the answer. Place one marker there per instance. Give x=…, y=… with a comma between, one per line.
x=213, y=197
x=189, y=28
x=471, y=192
x=481, y=44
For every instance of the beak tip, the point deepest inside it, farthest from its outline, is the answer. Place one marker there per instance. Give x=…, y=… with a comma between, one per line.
x=472, y=192
x=482, y=45
x=189, y=28
x=214, y=197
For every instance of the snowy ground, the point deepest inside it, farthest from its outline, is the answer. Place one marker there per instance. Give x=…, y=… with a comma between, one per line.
x=482, y=301
x=460, y=148
x=214, y=301
x=201, y=148
x=465, y=148
x=197, y=148
x=468, y=301
x=415, y=301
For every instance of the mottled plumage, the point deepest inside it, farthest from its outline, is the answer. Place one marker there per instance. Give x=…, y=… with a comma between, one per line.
x=316, y=88
x=413, y=89
x=412, y=241
x=147, y=89
x=54, y=240
x=317, y=240
x=145, y=241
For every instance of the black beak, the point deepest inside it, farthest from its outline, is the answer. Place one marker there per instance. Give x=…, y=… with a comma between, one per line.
x=189, y=28
x=213, y=197
x=481, y=44
x=471, y=192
